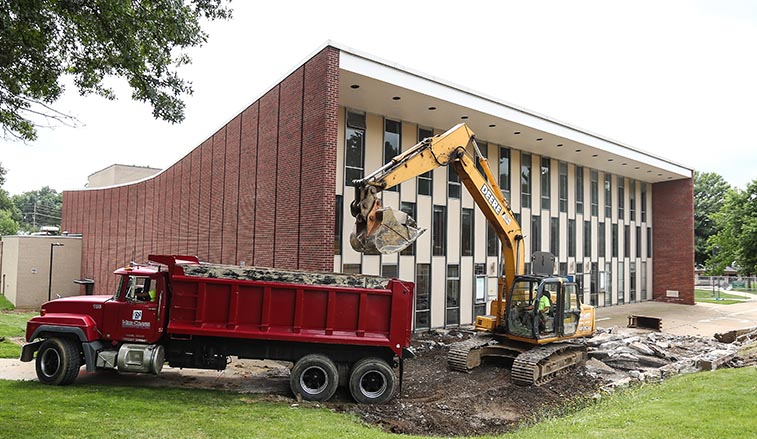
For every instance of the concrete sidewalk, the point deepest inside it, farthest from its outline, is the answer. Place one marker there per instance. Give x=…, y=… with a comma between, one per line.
x=703, y=319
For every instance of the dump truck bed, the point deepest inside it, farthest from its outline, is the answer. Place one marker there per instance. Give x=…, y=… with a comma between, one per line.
x=286, y=305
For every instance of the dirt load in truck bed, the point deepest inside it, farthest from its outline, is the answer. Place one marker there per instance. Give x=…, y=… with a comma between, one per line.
x=220, y=271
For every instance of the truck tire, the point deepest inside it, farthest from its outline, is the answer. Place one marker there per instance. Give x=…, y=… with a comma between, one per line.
x=58, y=361
x=314, y=377
x=372, y=381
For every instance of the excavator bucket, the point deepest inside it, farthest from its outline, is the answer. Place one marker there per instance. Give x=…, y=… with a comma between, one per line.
x=386, y=231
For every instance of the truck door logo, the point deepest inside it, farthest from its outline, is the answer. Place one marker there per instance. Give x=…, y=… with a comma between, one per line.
x=136, y=314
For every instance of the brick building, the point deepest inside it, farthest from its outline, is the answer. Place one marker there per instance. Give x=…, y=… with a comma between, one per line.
x=268, y=188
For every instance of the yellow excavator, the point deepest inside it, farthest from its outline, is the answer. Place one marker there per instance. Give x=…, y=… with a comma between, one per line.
x=534, y=316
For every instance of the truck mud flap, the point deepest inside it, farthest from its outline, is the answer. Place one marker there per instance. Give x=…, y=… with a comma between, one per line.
x=28, y=350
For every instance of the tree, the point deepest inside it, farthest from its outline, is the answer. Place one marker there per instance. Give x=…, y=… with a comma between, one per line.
x=9, y=215
x=139, y=40
x=736, y=240
x=710, y=190
x=39, y=208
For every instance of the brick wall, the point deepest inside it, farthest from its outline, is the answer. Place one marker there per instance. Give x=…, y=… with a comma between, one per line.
x=673, y=240
x=259, y=190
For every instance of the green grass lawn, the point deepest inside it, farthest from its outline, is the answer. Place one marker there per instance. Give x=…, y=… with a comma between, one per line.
x=5, y=304
x=716, y=404
x=708, y=404
x=703, y=295
x=12, y=324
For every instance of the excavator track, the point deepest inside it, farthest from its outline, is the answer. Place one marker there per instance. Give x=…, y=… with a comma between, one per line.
x=543, y=363
x=465, y=355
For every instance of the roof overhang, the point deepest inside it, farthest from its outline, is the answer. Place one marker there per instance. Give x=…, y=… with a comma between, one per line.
x=396, y=92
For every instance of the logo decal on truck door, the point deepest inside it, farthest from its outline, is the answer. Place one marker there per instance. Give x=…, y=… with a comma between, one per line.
x=136, y=314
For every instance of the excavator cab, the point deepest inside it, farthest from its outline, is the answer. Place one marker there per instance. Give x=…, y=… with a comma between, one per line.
x=542, y=308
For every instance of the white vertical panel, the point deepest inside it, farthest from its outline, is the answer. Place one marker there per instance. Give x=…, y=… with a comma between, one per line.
x=571, y=190
x=554, y=182
x=374, y=142
x=406, y=270
x=425, y=211
x=340, y=145
x=409, y=188
x=453, y=231
x=466, y=290
x=337, y=264
x=371, y=265
x=515, y=180
x=438, y=291
x=480, y=227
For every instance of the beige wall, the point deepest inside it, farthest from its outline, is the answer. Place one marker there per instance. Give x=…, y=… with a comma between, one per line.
x=119, y=174
x=25, y=270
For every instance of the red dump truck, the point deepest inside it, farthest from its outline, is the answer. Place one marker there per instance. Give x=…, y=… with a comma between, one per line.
x=336, y=329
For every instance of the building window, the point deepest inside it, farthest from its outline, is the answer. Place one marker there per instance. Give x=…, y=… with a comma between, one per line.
x=632, y=281
x=409, y=209
x=425, y=181
x=453, y=295
x=601, y=240
x=621, y=283
x=504, y=172
x=479, y=293
x=535, y=234
x=608, y=283
x=579, y=189
x=351, y=268
x=621, y=200
x=554, y=236
x=572, y=238
x=467, y=232
x=587, y=239
x=638, y=242
x=525, y=180
x=649, y=242
x=338, y=226
x=492, y=240
x=563, y=186
x=627, y=241
x=545, y=180
x=643, y=281
x=614, y=240
x=389, y=270
x=643, y=202
x=594, y=193
x=355, y=147
x=423, y=296
x=608, y=195
x=392, y=133
x=439, y=231
x=632, y=199
x=453, y=183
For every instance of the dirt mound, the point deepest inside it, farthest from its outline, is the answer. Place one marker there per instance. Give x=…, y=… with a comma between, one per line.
x=436, y=401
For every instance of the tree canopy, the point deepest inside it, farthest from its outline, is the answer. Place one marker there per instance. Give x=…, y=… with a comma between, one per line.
x=736, y=240
x=710, y=190
x=142, y=41
x=39, y=208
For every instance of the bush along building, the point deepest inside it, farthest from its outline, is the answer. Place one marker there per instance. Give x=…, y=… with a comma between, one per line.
x=272, y=188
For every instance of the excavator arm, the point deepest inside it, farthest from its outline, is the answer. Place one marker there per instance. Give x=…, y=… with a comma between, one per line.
x=383, y=230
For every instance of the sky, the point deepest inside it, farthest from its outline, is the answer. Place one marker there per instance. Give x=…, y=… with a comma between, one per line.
x=674, y=78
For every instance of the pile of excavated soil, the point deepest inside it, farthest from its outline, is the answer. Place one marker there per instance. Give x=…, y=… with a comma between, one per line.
x=437, y=401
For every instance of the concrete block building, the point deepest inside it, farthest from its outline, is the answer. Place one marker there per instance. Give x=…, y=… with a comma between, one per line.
x=271, y=188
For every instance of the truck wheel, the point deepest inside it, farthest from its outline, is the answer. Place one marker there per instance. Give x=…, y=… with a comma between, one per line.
x=372, y=381
x=314, y=377
x=58, y=361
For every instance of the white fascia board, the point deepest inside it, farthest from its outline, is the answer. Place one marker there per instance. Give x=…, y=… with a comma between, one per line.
x=402, y=77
